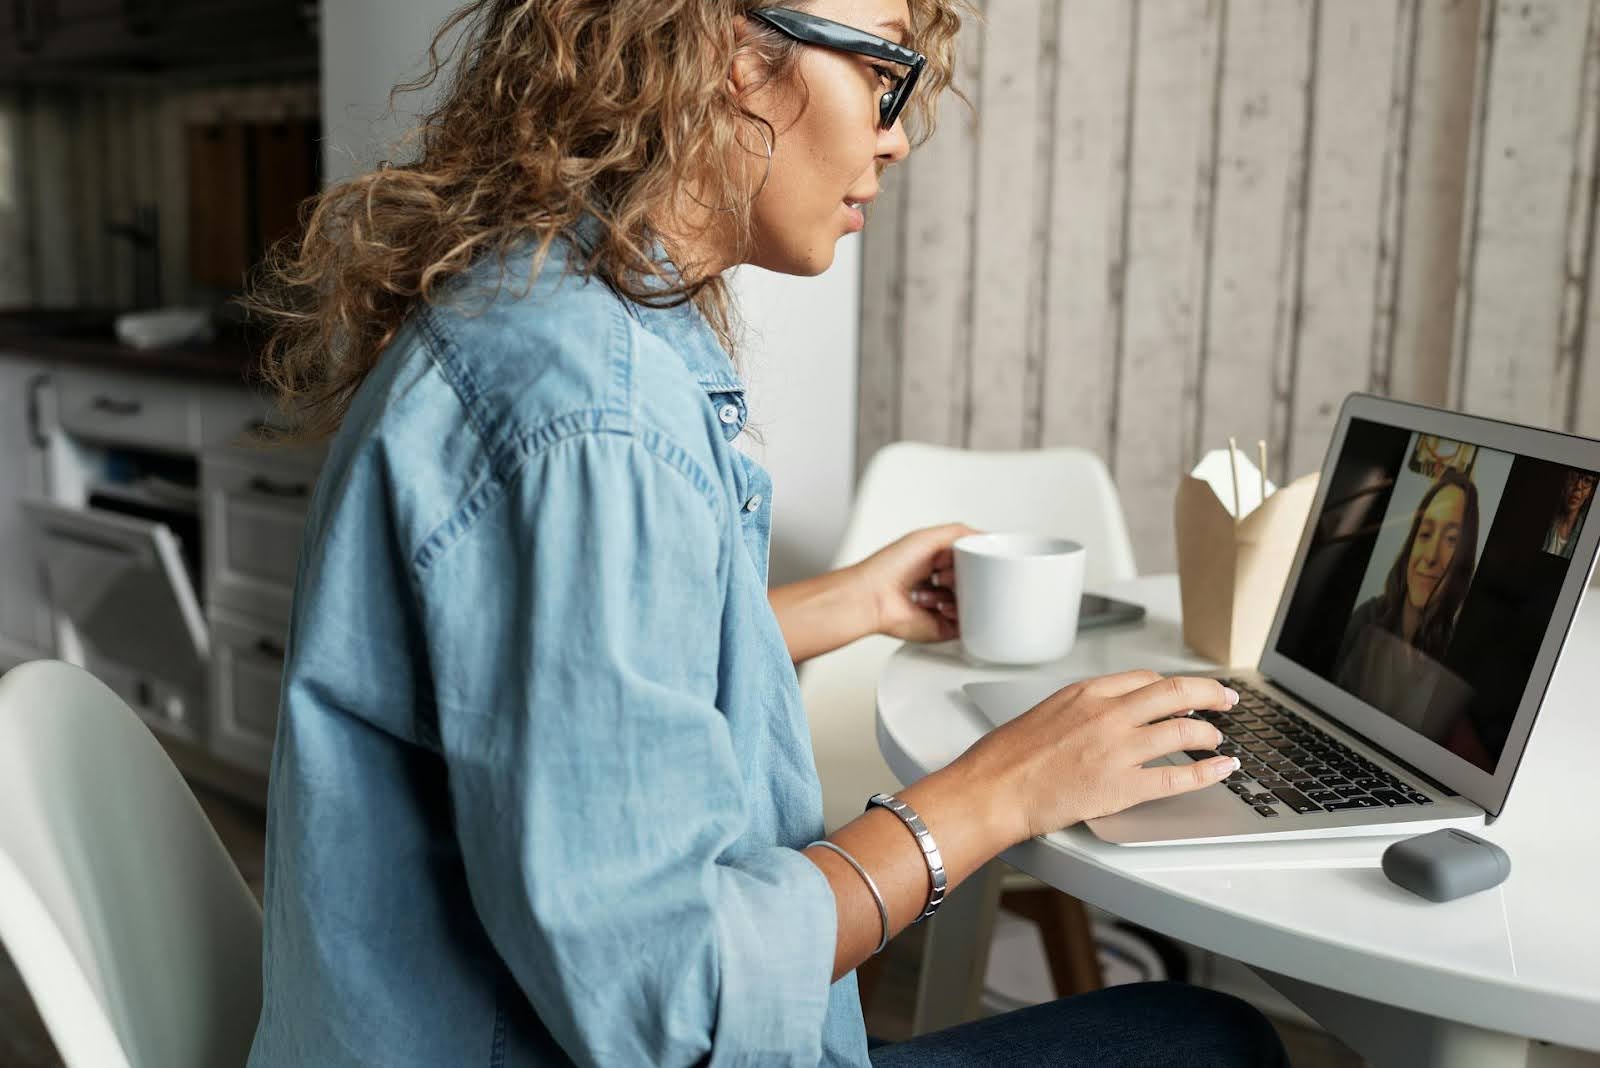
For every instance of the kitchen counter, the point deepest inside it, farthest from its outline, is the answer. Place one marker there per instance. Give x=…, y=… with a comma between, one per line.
x=84, y=336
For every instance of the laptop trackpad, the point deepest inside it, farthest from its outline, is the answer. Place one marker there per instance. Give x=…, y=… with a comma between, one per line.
x=1204, y=813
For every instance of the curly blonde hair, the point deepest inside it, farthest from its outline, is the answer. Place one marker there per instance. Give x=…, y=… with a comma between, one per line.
x=556, y=109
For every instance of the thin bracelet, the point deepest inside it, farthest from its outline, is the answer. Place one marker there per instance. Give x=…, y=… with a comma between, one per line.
x=937, y=881
x=877, y=898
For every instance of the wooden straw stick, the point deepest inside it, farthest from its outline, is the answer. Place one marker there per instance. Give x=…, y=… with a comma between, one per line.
x=1233, y=464
x=1261, y=451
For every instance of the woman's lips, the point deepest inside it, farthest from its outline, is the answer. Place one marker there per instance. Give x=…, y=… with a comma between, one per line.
x=857, y=218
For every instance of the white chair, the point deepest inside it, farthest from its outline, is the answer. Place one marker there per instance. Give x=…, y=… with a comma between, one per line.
x=132, y=929
x=907, y=485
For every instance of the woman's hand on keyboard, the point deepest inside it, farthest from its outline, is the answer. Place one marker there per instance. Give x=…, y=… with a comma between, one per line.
x=1079, y=753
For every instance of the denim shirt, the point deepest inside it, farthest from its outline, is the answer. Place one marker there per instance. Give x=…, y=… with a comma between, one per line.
x=542, y=770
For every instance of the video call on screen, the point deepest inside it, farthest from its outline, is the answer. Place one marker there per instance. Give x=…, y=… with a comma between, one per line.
x=1431, y=577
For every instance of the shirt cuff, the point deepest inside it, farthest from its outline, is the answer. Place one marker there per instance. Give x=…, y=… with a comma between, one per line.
x=777, y=925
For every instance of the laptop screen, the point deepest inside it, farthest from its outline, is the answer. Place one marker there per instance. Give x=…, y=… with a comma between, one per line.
x=1430, y=580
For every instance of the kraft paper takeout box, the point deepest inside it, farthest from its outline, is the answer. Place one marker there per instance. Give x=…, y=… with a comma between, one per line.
x=1231, y=572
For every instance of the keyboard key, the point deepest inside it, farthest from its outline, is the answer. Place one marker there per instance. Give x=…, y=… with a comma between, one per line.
x=1392, y=798
x=1297, y=801
x=1353, y=802
x=1241, y=789
x=1266, y=810
x=1199, y=754
x=1349, y=791
x=1319, y=796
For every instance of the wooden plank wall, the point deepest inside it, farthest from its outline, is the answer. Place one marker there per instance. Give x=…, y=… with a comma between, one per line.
x=84, y=156
x=1170, y=221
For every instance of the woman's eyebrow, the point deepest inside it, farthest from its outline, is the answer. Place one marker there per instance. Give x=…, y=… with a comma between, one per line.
x=898, y=25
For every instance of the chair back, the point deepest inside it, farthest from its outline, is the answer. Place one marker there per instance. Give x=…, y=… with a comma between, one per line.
x=908, y=485
x=130, y=926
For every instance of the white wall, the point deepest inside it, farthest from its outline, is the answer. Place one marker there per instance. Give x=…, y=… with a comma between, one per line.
x=800, y=363
x=368, y=46
x=801, y=348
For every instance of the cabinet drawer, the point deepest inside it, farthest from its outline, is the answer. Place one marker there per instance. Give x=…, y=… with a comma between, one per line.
x=246, y=675
x=121, y=589
x=254, y=511
x=129, y=409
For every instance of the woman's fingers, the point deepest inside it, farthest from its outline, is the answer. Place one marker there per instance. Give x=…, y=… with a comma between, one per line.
x=1120, y=683
x=1175, y=695
x=1169, y=779
x=932, y=597
x=1172, y=736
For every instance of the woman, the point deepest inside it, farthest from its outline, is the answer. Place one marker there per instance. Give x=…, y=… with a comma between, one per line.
x=1393, y=647
x=1576, y=489
x=542, y=791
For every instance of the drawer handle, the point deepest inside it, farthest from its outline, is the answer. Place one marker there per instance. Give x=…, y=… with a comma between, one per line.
x=268, y=488
x=269, y=648
x=36, y=387
x=113, y=406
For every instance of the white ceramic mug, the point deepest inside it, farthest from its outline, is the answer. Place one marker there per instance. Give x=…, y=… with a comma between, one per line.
x=1017, y=596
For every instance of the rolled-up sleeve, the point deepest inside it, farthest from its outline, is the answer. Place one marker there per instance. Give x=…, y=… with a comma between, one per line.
x=574, y=621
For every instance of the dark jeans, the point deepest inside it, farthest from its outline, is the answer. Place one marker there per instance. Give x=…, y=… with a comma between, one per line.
x=1171, y=1025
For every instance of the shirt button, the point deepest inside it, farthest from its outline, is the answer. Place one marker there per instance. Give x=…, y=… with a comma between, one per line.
x=753, y=503
x=729, y=414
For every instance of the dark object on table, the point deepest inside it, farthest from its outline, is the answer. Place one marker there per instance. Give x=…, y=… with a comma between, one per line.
x=1098, y=611
x=1447, y=864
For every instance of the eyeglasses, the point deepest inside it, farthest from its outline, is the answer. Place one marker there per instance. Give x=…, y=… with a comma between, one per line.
x=813, y=30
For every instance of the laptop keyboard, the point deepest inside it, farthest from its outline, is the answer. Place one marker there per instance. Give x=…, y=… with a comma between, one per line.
x=1287, y=764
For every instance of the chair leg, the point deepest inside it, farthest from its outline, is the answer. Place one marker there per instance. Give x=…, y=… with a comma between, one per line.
x=955, y=953
x=1063, y=923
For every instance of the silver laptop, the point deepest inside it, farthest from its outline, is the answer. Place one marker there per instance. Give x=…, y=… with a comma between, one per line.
x=1443, y=561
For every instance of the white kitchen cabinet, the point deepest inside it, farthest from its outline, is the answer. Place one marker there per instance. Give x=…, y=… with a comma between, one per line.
x=246, y=676
x=255, y=510
x=158, y=547
x=26, y=412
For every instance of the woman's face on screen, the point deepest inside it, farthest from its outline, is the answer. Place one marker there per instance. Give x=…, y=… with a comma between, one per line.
x=1579, y=489
x=1434, y=549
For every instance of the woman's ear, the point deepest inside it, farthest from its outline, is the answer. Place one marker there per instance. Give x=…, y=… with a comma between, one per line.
x=743, y=71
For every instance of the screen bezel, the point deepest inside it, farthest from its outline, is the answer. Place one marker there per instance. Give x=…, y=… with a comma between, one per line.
x=1467, y=779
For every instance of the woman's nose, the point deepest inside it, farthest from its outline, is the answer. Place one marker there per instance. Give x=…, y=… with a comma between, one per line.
x=893, y=144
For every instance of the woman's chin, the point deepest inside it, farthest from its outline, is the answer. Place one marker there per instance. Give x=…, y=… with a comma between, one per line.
x=812, y=263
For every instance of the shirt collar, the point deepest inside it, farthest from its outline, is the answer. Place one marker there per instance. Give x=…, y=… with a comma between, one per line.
x=682, y=327
x=686, y=332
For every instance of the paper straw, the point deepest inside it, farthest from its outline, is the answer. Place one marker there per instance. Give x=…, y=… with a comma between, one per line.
x=1261, y=451
x=1233, y=465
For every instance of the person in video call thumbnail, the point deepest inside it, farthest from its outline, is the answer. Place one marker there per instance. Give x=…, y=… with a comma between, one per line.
x=1394, y=641
x=1576, y=490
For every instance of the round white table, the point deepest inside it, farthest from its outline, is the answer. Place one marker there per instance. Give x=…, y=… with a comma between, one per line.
x=1401, y=980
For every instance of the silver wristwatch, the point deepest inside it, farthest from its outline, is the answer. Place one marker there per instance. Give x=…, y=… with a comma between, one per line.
x=930, y=851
